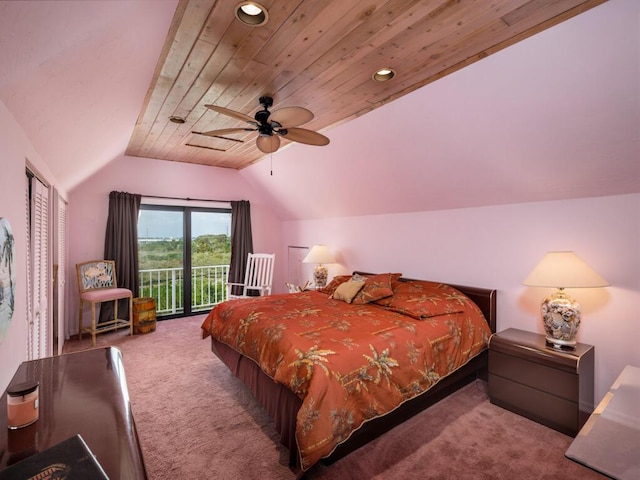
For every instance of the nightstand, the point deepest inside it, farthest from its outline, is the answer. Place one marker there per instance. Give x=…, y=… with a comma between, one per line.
x=545, y=384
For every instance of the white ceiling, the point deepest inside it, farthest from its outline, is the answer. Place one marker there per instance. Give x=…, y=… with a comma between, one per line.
x=555, y=116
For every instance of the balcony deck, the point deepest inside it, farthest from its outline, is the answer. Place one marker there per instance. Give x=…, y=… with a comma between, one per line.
x=165, y=286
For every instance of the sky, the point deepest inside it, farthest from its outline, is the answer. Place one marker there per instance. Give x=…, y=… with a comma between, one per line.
x=169, y=224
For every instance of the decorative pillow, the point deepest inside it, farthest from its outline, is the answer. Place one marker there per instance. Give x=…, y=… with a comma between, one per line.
x=335, y=283
x=348, y=290
x=420, y=299
x=376, y=287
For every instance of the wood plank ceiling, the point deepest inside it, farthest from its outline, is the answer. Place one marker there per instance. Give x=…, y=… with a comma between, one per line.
x=317, y=54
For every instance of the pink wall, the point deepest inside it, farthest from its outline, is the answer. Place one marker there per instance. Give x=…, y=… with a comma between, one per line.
x=496, y=247
x=89, y=204
x=491, y=246
x=15, y=151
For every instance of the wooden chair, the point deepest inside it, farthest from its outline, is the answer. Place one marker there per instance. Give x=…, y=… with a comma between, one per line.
x=97, y=283
x=258, y=276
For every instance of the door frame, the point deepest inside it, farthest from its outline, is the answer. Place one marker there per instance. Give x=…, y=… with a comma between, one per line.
x=186, y=249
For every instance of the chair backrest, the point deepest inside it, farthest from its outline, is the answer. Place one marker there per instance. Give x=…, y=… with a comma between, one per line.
x=96, y=274
x=259, y=272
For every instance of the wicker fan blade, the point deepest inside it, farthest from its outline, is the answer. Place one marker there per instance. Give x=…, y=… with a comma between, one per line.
x=268, y=144
x=291, y=116
x=309, y=137
x=231, y=113
x=224, y=131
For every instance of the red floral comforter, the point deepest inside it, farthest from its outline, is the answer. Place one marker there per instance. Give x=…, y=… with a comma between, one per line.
x=351, y=363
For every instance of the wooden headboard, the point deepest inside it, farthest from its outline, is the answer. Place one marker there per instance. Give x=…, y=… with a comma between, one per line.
x=483, y=297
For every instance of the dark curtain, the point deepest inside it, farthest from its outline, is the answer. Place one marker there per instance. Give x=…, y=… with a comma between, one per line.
x=241, y=242
x=121, y=245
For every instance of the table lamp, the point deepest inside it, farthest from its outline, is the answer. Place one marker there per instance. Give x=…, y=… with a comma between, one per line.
x=561, y=313
x=319, y=254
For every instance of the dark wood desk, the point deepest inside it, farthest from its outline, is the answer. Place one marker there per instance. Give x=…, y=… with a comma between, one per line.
x=80, y=393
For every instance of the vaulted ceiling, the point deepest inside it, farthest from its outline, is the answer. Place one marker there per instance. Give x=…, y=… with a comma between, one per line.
x=317, y=54
x=555, y=115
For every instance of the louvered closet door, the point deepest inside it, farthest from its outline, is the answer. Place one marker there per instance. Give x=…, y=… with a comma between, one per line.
x=60, y=260
x=40, y=335
x=27, y=210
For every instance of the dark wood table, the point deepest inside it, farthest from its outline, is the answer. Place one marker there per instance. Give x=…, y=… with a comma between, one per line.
x=80, y=393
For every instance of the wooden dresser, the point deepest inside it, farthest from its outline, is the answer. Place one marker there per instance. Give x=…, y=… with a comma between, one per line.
x=81, y=393
x=545, y=384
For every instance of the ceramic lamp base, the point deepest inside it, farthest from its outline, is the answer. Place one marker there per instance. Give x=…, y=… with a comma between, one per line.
x=320, y=276
x=561, y=318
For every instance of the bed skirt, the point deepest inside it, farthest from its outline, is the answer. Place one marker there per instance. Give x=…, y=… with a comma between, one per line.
x=282, y=404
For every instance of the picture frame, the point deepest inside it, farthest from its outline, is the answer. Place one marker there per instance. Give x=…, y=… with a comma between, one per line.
x=7, y=276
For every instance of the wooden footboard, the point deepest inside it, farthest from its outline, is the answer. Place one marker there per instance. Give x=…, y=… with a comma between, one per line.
x=283, y=405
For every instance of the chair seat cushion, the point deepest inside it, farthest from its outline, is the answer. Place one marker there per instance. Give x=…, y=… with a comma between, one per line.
x=106, y=294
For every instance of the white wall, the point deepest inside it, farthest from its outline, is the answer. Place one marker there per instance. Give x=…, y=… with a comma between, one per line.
x=496, y=247
x=88, y=217
x=15, y=150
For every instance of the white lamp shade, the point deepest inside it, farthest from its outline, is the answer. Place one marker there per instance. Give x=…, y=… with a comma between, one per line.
x=319, y=254
x=563, y=270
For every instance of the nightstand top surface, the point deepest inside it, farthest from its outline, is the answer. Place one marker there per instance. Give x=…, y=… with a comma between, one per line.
x=515, y=338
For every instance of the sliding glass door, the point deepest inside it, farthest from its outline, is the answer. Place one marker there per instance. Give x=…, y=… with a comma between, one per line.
x=209, y=253
x=184, y=257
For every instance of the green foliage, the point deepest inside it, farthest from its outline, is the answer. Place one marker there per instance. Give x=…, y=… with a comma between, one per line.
x=211, y=250
x=167, y=253
x=206, y=250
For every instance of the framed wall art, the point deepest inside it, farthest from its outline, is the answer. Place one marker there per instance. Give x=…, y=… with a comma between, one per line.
x=7, y=276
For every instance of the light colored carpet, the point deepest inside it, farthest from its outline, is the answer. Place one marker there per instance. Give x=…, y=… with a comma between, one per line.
x=195, y=420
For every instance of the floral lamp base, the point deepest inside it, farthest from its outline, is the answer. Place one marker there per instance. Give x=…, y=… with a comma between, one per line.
x=561, y=318
x=320, y=275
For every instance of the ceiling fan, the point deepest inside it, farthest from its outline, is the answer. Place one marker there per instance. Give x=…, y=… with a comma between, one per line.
x=272, y=125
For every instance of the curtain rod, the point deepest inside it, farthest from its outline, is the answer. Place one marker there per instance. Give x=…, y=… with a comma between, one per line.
x=187, y=199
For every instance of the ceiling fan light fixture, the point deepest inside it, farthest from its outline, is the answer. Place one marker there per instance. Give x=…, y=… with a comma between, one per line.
x=384, y=74
x=252, y=14
x=283, y=124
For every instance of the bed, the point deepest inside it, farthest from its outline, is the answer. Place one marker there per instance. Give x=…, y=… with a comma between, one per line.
x=338, y=367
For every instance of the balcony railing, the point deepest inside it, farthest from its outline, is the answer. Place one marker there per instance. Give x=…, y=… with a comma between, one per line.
x=165, y=286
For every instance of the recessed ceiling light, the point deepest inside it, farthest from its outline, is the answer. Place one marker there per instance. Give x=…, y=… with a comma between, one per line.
x=252, y=14
x=383, y=75
x=175, y=119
